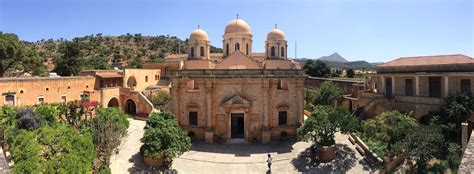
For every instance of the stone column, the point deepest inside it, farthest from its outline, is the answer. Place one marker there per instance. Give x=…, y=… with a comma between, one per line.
x=393, y=86
x=175, y=99
x=464, y=138
x=266, y=132
x=446, y=86
x=417, y=85
x=299, y=103
x=382, y=89
x=209, y=132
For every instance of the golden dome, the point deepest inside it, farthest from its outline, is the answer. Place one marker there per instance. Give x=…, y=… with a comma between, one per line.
x=276, y=34
x=237, y=26
x=198, y=34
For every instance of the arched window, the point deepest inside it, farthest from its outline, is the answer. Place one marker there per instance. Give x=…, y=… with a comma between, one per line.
x=272, y=52
x=202, y=51
x=282, y=51
x=192, y=51
x=237, y=46
x=227, y=49
x=247, y=49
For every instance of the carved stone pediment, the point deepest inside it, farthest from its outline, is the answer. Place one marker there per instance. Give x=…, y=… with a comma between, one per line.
x=236, y=102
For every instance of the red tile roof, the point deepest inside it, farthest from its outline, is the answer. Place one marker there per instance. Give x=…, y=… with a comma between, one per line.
x=429, y=61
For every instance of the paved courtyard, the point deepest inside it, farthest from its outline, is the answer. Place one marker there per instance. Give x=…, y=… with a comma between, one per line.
x=288, y=157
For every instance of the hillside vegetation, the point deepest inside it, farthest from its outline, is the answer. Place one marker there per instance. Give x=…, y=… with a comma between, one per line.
x=101, y=52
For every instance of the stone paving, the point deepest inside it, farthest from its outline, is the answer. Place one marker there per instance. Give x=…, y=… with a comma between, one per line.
x=288, y=157
x=3, y=163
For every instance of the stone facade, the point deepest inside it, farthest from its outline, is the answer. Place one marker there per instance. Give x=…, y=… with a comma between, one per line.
x=395, y=86
x=237, y=96
x=258, y=96
x=103, y=86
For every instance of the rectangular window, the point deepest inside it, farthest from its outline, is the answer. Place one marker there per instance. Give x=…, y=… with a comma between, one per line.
x=146, y=78
x=64, y=99
x=157, y=77
x=434, y=86
x=193, y=118
x=9, y=99
x=466, y=86
x=40, y=100
x=282, y=118
x=408, y=87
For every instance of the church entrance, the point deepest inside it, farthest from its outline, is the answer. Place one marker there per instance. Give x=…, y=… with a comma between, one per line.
x=237, y=125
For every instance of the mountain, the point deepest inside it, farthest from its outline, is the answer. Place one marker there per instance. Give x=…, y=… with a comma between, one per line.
x=337, y=61
x=335, y=57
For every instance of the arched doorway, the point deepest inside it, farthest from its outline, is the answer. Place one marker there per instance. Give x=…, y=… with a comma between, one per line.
x=113, y=103
x=130, y=107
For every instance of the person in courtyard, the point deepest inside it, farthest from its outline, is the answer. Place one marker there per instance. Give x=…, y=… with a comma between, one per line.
x=269, y=162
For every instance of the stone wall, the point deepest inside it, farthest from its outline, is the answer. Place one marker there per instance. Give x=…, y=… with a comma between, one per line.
x=27, y=91
x=349, y=87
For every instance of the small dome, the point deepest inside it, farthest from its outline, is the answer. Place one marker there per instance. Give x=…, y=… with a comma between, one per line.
x=198, y=34
x=237, y=26
x=276, y=34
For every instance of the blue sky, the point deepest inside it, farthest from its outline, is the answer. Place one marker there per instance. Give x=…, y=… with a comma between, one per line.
x=372, y=30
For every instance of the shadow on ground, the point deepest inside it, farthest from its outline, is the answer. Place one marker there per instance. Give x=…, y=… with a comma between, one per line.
x=245, y=149
x=140, y=167
x=345, y=160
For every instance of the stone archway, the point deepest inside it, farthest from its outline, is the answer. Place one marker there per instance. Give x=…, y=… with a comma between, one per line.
x=130, y=107
x=113, y=103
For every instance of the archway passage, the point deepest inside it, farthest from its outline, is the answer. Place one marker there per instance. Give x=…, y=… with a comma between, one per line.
x=130, y=107
x=113, y=103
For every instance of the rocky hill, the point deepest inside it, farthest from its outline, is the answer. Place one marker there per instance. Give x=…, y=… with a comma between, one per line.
x=116, y=50
x=337, y=61
x=335, y=57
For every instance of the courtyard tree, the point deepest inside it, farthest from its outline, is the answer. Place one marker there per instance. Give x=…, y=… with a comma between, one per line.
x=163, y=139
x=323, y=124
x=350, y=73
x=53, y=149
x=107, y=128
x=316, y=68
x=421, y=144
x=16, y=56
x=458, y=108
x=327, y=94
x=389, y=127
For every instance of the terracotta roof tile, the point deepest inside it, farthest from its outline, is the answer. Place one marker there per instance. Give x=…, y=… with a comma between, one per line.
x=429, y=60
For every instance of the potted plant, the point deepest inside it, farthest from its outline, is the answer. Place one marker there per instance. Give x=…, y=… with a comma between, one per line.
x=163, y=139
x=321, y=126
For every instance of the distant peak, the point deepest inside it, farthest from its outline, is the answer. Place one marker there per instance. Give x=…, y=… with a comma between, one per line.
x=335, y=57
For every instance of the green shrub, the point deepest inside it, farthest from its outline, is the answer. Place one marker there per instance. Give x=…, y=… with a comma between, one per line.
x=160, y=99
